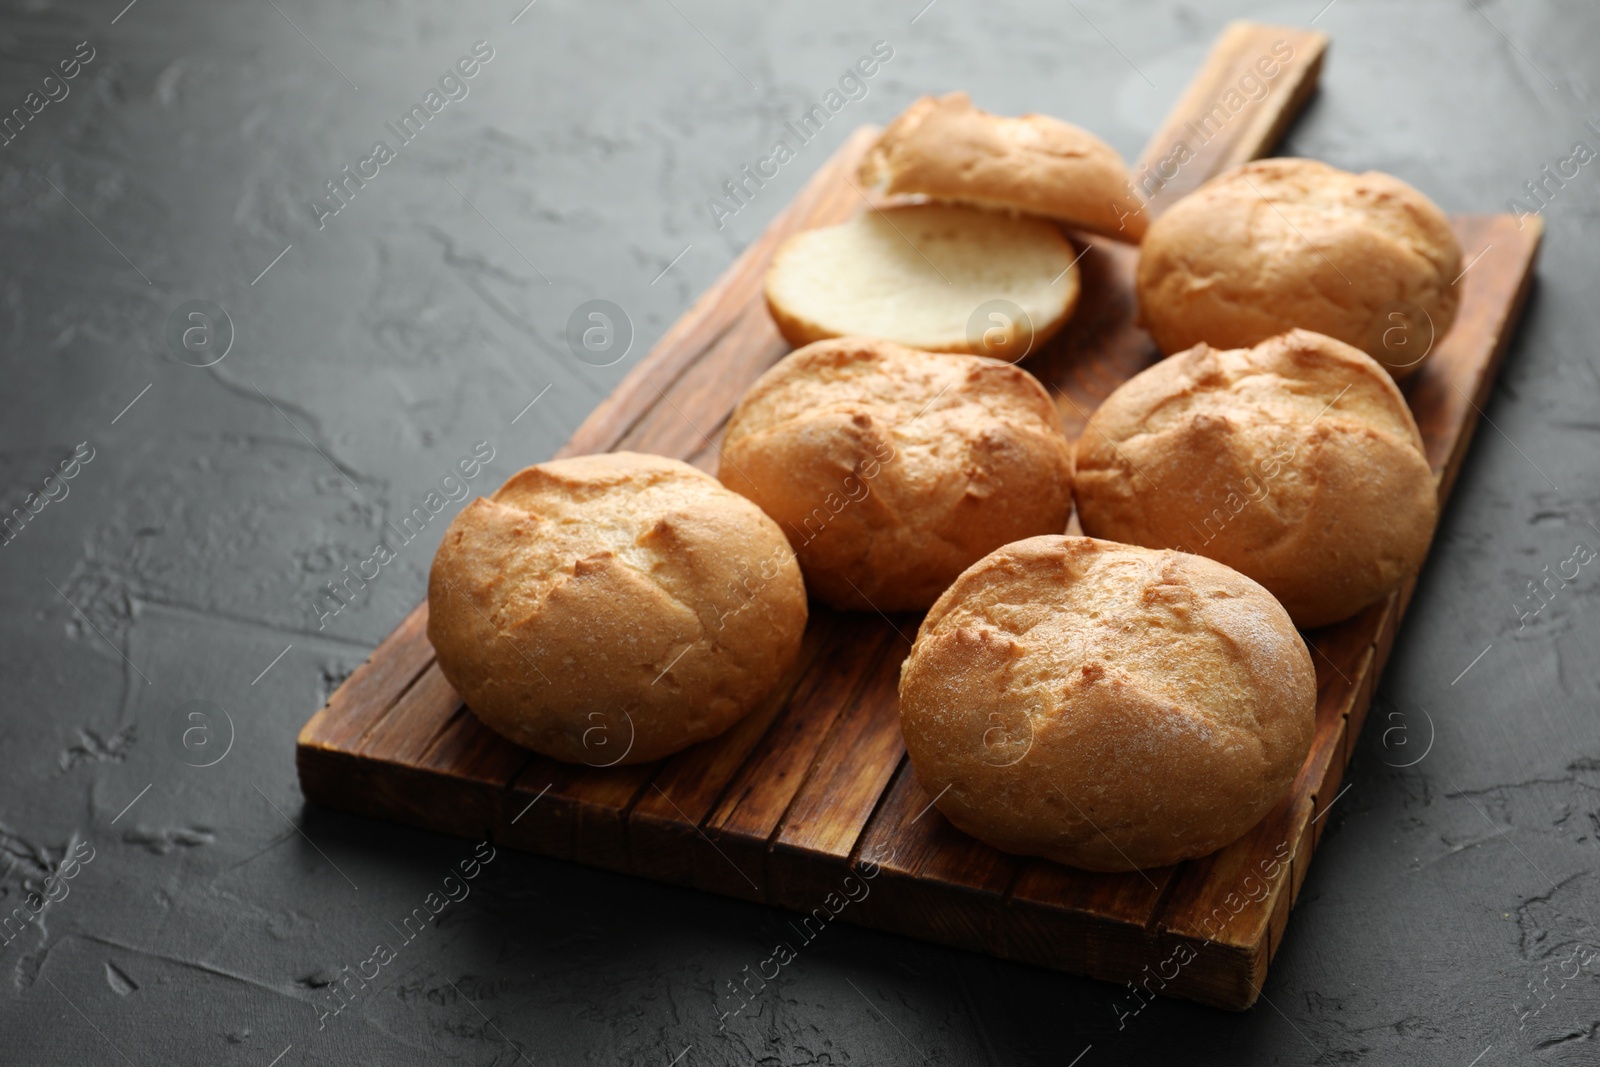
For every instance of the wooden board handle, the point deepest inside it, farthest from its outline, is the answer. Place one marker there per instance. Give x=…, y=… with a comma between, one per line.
x=1237, y=108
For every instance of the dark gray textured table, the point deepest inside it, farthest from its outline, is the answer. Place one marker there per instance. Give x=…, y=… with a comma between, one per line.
x=201, y=913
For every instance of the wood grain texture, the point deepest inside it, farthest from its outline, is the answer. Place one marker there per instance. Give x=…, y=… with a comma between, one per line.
x=813, y=789
x=1237, y=107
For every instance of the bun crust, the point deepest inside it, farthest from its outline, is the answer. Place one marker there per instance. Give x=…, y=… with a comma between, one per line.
x=613, y=608
x=918, y=274
x=893, y=470
x=945, y=148
x=1106, y=706
x=1295, y=462
x=1284, y=243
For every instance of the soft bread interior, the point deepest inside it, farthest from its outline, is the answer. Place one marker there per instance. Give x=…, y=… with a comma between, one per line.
x=927, y=276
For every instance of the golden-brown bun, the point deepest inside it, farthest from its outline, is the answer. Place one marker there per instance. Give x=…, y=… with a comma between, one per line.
x=1284, y=243
x=1295, y=462
x=1106, y=706
x=927, y=276
x=613, y=608
x=945, y=148
x=893, y=470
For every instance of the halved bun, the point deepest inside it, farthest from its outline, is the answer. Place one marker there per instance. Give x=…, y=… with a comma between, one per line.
x=945, y=148
x=925, y=276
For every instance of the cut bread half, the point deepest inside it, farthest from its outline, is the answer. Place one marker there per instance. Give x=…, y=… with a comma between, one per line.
x=943, y=147
x=939, y=277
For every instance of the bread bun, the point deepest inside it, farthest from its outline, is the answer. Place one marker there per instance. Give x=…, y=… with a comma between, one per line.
x=945, y=148
x=613, y=608
x=1106, y=706
x=923, y=276
x=1281, y=243
x=1295, y=462
x=894, y=470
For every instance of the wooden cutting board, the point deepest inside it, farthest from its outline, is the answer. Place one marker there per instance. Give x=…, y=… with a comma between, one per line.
x=814, y=784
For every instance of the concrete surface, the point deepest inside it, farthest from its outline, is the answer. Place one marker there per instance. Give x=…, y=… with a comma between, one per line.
x=1447, y=918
